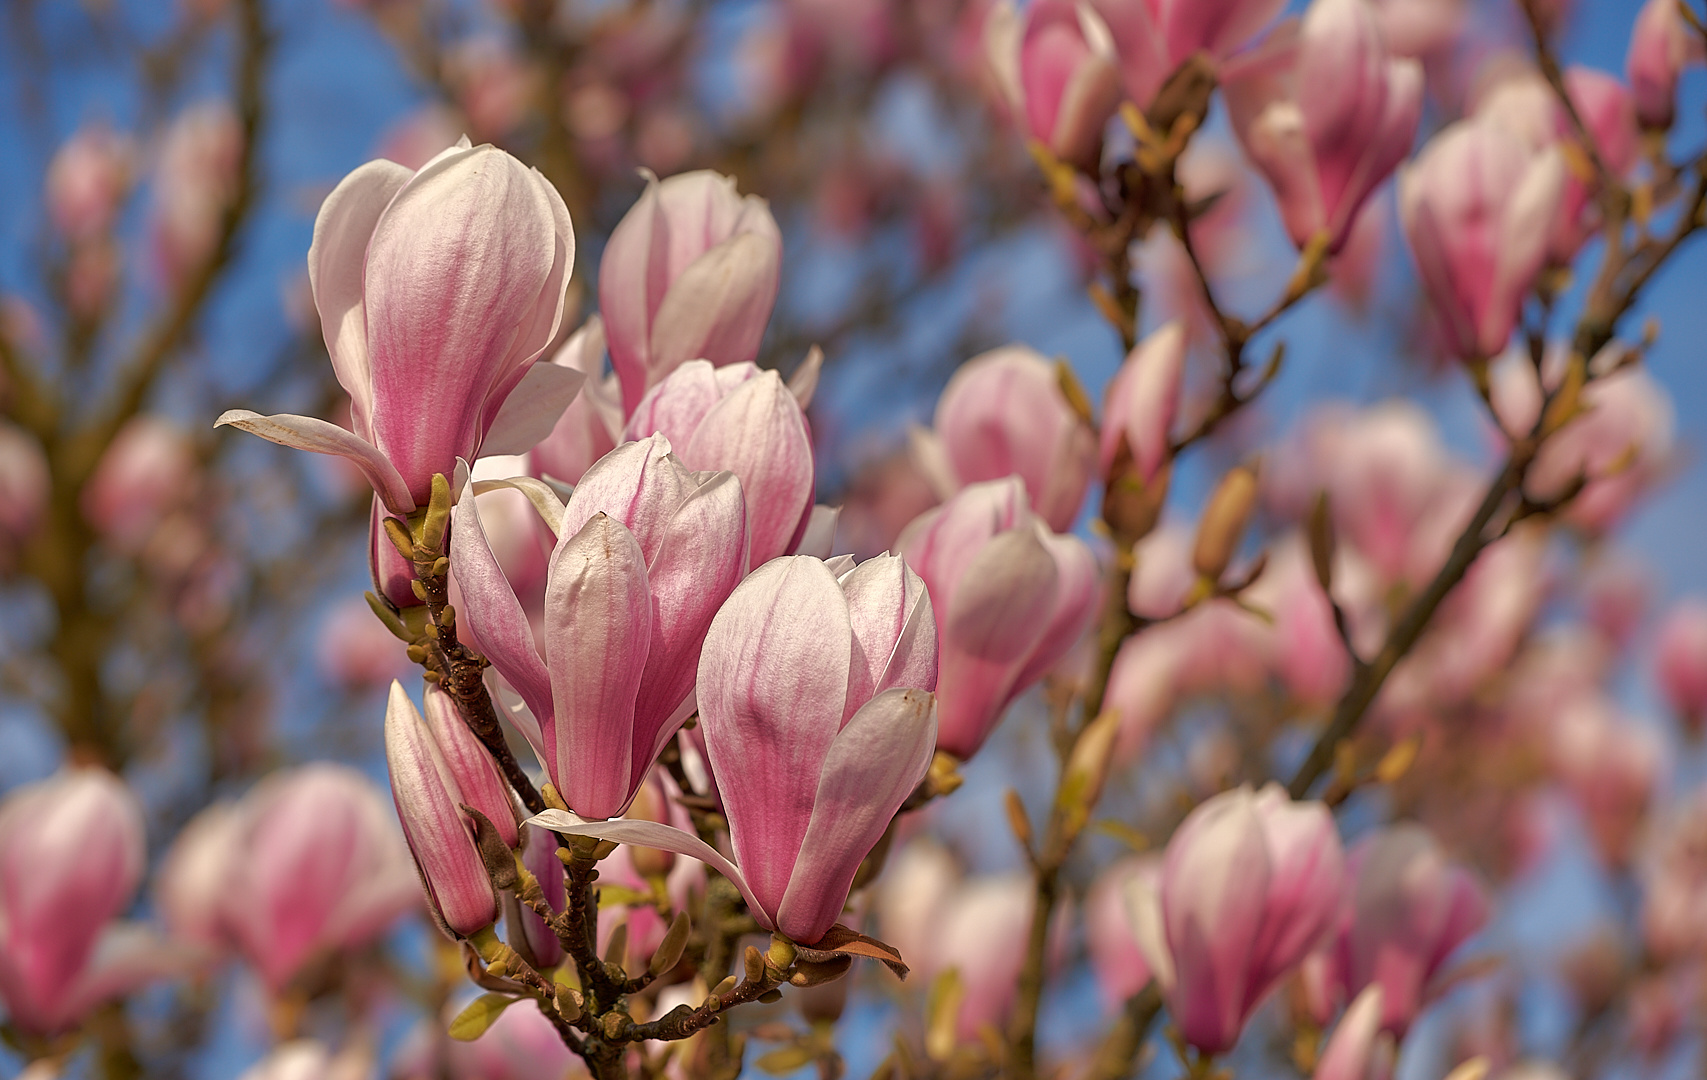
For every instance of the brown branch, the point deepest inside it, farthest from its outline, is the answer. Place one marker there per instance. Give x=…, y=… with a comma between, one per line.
x=136, y=378
x=1609, y=191
x=1117, y=1057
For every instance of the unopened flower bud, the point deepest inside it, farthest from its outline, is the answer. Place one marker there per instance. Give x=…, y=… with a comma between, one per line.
x=1224, y=520
x=429, y=803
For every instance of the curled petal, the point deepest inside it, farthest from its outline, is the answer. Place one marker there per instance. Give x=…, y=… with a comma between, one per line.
x=654, y=835
x=320, y=437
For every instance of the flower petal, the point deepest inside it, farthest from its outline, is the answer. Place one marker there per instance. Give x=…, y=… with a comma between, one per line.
x=493, y=617
x=654, y=835
x=320, y=437
x=872, y=766
x=337, y=258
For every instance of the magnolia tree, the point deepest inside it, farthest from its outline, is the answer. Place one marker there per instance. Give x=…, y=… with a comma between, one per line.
x=1069, y=737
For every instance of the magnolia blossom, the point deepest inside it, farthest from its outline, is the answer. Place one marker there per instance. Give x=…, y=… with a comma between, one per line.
x=24, y=483
x=195, y=179
x=1527, y=105
x=1408, y=911
x=354, y=650
x=71, y=856
x=87, y=180
x=647, y=552
x=1141, y=402
x=815, y=703
x=149, y=469
x=305, y=1059
x=1154, y=37
x=1358, y=1050
x=974, y=927
x=1217, y=646
x=1674, y=882
x=1620, y=444
x=437, y=290
x=438, y=767
x=1680, y=663
x=591, y=426
x=1251, y=882
x=1012, y=599
x=1477, y=207
x=1661, y=44
x=748, y=422
x=1057, y=68
x=690, y=272
x=1116, y=957
x=1611, y=764
x=1003, y=413
x=1327, y=114
x=309, y=861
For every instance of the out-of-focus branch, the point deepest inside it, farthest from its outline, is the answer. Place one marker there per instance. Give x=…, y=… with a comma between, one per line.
x=1117, y=1057
x=137, y=377
x=1369, y=677
x=1609, y=301
x=1610, y=192
x=28, y=400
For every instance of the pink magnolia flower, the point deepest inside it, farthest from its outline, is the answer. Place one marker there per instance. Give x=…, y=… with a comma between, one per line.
x=306, y=1059
x=1327, y=114
x=1154, y=37
x=1012, y=597
x=690, y=273
x=189, y=889
x=354, y=650
x=87, y=181
x=1477, y=207
x=1611, y=765
x=1529, y=107
x=437, y=291
x=943, y=921
x=1116, y=956
x=591, y=426
x=647, y=551
x=437, y=766
x=1621, y=444
x=195, y=180
x=1251, y=883
x=71, y=856
x=1409, y=909
x=1420, y=28
x=1673, y=873
x=1216, y=647
x=1358, y=1049
x=1142, y=400
x=814, y=692
x=1003, y=413
x=24, y=483
x=815, y=703
x=314, y=863
x=1057, y=68
x=747, y=421
x=148, y=469
x=1661, y=45
x=1680, y=659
